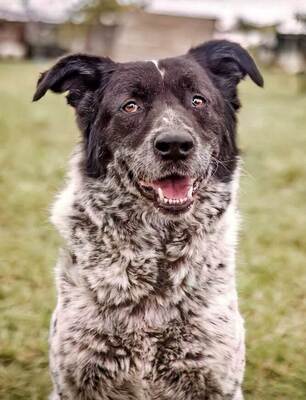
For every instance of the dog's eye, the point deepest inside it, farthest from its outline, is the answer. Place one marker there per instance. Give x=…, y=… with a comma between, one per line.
x=130, y=107
x=198, y=101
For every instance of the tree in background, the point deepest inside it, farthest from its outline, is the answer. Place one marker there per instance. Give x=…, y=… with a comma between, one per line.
x=92, y=11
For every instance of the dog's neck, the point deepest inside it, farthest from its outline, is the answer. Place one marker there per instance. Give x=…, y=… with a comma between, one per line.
x=124, y=250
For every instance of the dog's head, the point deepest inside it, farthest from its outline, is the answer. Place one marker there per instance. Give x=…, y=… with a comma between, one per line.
x=171, y=122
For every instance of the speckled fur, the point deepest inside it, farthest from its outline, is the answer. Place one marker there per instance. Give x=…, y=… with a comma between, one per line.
x=147, y=304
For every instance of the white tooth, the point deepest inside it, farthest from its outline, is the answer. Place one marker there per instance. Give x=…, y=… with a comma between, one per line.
x=189, y=194
x=160, y=194
x=171, y=201
x=166, y=200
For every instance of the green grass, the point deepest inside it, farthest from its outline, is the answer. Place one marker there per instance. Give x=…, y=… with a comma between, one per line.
x=36, y=140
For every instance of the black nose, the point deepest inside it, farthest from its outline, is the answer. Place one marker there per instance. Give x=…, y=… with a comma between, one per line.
x=174, y=146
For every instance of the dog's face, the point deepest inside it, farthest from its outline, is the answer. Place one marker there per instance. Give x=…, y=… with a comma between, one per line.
x=171, y=122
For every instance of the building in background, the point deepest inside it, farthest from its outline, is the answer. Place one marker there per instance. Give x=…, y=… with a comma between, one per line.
x=30, y=29
x=275, y=29
x=37, y=29
x=148, y=34
x=291, y=44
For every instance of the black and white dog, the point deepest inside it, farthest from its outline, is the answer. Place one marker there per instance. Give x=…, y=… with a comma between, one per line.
x=147, y=304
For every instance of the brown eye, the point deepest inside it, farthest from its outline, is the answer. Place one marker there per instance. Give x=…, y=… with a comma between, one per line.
x=130, y=107
x=198, y=101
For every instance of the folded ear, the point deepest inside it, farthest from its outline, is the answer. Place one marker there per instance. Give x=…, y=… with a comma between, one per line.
x=76, y=74
x=227, y=61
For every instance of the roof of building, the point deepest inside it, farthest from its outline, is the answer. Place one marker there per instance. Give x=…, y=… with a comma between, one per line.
x=259, y=12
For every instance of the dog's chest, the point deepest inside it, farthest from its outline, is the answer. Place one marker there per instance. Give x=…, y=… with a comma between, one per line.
x=144, y=277
x=139, y=302
x=146, y=303
x=161, y=325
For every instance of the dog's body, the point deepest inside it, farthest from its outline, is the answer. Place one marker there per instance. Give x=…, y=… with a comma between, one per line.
x=147, y=305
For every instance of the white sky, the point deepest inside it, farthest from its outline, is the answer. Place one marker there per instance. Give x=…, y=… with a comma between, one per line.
x=262, y=12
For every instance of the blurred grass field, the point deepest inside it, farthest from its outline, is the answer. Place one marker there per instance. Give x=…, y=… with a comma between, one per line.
x=36, y=140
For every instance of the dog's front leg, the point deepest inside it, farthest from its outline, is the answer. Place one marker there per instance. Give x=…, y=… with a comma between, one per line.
x=191, y=385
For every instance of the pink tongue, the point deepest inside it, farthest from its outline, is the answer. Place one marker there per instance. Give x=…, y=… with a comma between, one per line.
x=173, y=188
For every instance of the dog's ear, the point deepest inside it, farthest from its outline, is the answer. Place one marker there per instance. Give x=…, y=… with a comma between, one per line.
x=227, y=63
x=228, y=60
x=76, y=74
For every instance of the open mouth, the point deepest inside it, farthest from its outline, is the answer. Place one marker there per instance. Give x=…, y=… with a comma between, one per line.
x=174, y=193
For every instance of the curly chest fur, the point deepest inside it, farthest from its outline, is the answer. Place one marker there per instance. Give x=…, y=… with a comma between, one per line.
x=145, y=310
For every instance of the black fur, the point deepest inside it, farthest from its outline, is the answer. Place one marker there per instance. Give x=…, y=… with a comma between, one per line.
x=97, y=88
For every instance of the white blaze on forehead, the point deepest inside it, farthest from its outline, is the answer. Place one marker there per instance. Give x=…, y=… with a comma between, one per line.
x=171, y=118
x=161, y=71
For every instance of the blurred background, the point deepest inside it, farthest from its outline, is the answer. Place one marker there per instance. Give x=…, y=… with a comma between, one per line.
x=37, y=139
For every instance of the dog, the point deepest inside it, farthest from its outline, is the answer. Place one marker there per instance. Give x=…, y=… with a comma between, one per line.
x=147, y=304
